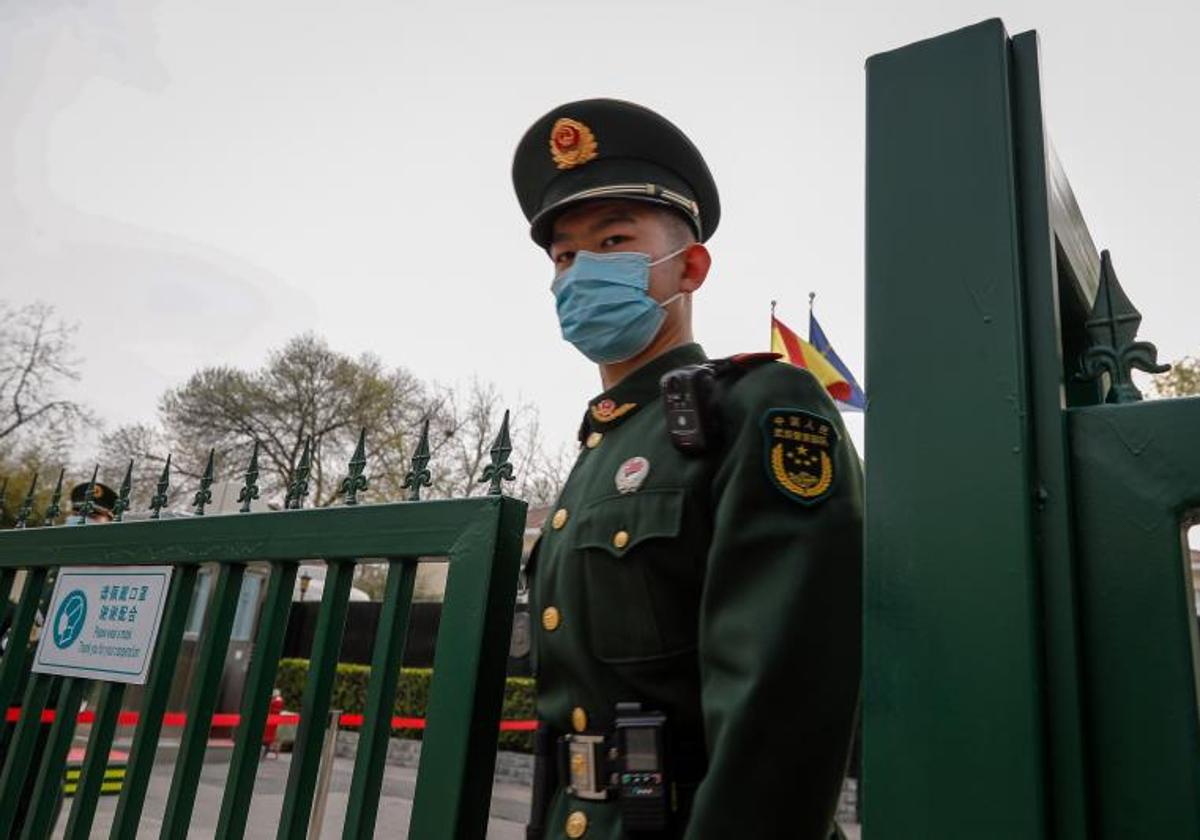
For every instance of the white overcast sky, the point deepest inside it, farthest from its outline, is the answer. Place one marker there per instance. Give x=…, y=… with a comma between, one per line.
x=194, y=183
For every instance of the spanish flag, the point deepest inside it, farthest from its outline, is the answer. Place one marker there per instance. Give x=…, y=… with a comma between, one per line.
x=800, y=353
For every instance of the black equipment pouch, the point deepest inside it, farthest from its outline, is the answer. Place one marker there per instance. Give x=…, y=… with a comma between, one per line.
x=545, y=780
x=691, y=399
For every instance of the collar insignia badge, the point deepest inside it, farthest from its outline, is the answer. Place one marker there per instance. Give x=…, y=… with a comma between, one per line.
x=606, y=410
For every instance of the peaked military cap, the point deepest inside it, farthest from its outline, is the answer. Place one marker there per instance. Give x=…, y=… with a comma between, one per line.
x=607, y=148
x=103, y=496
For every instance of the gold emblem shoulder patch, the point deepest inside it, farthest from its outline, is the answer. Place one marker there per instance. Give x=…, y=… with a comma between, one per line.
x=799, y=452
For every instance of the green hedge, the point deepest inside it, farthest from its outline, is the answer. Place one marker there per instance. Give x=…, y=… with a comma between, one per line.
x=412, y=696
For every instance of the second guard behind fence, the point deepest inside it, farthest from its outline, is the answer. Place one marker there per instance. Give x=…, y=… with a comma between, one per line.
x=697, y=588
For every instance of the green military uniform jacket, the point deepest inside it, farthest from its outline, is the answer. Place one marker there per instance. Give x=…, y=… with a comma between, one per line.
x=723, y=590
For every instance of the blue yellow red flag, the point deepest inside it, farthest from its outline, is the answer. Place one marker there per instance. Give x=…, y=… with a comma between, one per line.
x=800, y=353
x=820, y=343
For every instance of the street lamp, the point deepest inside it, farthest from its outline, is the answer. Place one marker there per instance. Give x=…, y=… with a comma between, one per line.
x=305, y=580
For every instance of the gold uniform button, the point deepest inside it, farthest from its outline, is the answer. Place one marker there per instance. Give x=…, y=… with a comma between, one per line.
x=551, y=618
x=593, y=440
x=621, y=539
x=576, y=824
x=560, y=519
x=579, y=719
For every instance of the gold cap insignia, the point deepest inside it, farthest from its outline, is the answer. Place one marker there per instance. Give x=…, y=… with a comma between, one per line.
x=571, y=143
x=799, y=453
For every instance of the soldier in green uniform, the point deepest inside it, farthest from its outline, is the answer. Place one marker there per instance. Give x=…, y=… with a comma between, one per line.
x=697, y=588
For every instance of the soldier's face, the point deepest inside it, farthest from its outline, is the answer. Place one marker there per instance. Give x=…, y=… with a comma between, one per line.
x=605, y=227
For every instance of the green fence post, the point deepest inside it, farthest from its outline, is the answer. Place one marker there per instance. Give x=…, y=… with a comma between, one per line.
x=306, y=753
x=1065, y=748
x=1137, y=474
x=207, y=680
x=458, y=756
x=15, y=662
x=21, y=750
x=256, y=699
x=95, y=762
x=363, y=803
x=154, y=704
x=48, y=790
x=954, y=678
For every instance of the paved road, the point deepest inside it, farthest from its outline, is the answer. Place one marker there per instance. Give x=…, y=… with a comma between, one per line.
x=510, y=803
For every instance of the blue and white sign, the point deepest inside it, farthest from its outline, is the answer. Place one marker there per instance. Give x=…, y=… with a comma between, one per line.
x=103, y=622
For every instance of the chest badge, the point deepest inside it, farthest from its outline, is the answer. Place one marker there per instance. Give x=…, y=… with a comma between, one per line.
x=632, y=474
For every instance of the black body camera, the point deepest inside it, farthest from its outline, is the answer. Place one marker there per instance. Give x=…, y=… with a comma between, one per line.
x=692, y=420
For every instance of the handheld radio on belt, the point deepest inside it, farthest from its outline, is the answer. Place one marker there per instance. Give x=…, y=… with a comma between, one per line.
x=641, y=779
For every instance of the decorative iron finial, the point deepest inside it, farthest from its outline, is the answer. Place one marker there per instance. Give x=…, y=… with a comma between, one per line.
x=1111, y=331
x=500, y=469
x=356, y=482
x=811, y=297
x=298, y=488
x=159, y=500
x=27, y=504
x=56, y=497
x=122, y=503
x=204, y=494
x=419, y=476
x=85, y=509
x=249, y=491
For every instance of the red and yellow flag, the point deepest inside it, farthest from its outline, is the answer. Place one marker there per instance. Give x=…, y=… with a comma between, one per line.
x=800, y=353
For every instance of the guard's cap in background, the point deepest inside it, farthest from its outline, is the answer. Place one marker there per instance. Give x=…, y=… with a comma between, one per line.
x=607, y=148
x=103, y=496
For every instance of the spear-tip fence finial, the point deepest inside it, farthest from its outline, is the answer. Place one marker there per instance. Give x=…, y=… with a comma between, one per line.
x=1111, y=331
x=298, y=486
x=159, y=500
x=204, y=494
x=53, y=510
x=500, y=469
x=26, y=508
x=88, y=505
x=122, y=503
x=249, y=491
x=419, y=475
x=356, y=482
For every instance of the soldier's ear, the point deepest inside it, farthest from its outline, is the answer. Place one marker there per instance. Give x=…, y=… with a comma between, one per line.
x=696, y=263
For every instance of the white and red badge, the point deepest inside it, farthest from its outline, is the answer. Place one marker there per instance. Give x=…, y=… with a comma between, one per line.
x=632, y=474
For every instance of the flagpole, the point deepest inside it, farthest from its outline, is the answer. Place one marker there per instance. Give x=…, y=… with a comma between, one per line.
x=811, y=297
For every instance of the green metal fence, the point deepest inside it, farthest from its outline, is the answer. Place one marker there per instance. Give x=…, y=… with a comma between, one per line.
x=480, y=536
x=1031, y=659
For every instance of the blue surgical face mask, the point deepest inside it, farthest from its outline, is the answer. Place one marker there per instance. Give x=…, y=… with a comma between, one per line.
x=604, y=307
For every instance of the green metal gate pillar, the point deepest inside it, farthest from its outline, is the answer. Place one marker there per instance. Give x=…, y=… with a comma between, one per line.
x=953, y=720
x=1032, y=667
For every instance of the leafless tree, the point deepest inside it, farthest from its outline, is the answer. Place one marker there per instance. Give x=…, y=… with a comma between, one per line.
x=36, y=361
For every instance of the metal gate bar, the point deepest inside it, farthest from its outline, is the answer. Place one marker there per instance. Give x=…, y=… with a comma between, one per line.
x=264, y=662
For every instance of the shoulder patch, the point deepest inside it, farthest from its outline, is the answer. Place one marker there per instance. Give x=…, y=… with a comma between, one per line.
x=798, y=453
